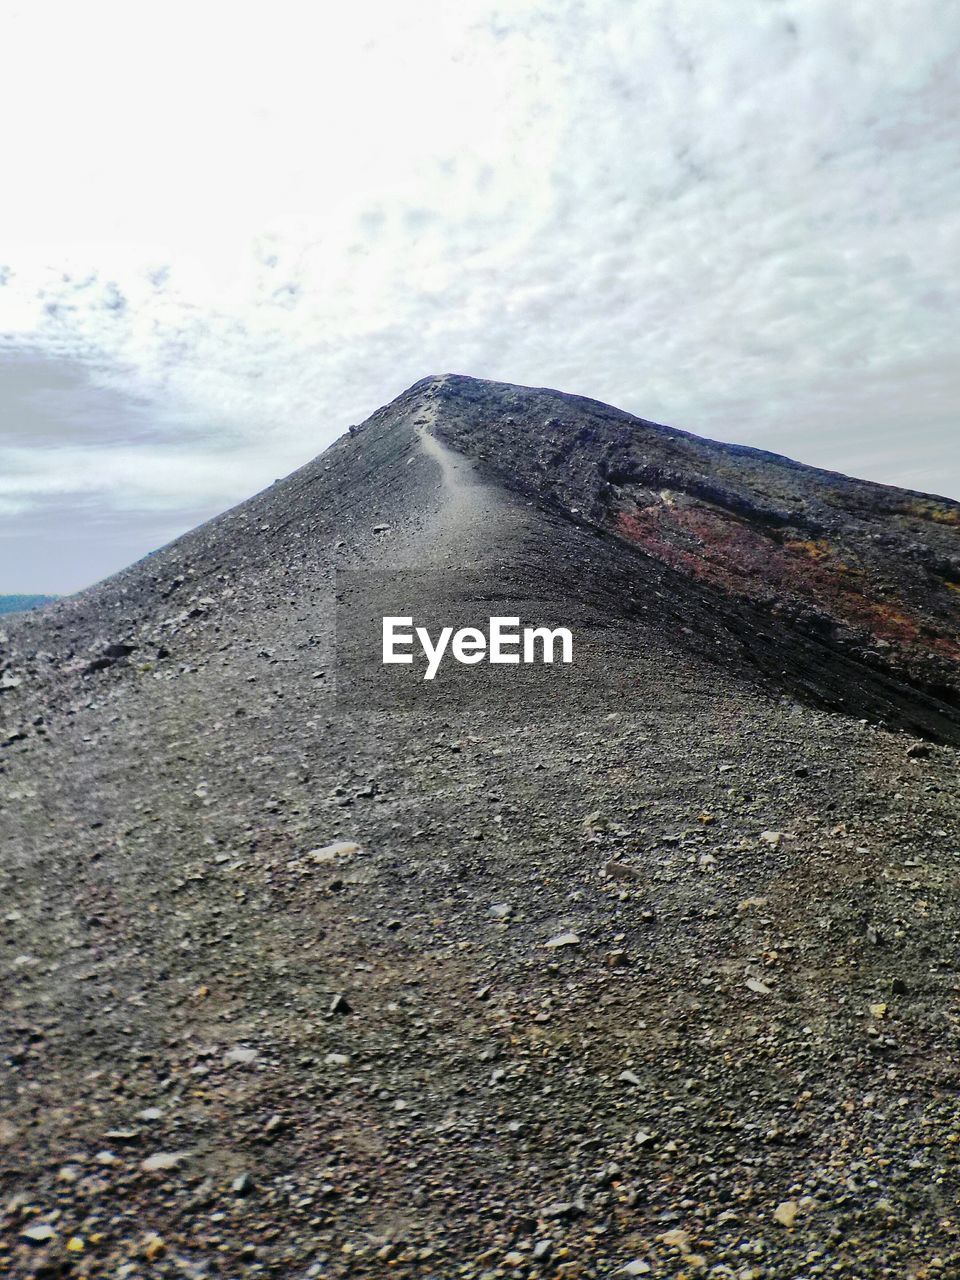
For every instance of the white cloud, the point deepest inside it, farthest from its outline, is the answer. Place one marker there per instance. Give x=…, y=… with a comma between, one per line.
x=740, y=219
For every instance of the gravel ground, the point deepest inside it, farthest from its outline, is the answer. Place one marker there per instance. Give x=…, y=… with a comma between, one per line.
x=570, y=985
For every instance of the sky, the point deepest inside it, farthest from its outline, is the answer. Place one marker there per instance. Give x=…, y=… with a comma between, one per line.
x=230, y=230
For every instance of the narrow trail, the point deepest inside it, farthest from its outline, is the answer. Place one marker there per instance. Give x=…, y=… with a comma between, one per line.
x=473, y=519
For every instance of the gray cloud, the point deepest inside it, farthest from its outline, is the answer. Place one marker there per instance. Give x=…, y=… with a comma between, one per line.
x=739, y=219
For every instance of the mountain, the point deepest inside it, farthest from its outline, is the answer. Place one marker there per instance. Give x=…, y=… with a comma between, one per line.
x=643, y=962
x=17, y=604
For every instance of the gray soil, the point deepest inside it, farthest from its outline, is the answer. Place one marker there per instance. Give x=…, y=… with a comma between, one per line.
x=278, y=995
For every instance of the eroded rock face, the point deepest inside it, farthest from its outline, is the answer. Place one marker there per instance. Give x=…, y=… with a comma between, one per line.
x=871, y=571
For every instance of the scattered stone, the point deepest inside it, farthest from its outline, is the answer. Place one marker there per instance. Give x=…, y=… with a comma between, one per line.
x=331, y=852
x=629, y=1078
x=239, y=1057
x=617, y=960
x=337, y=1060
x=542, y=1250
x=162, y=1161
x=153, y=1247
x=786, y=1213
x=772, y=838
x=761, y=988
x=635, y=1268
x=918, y=751
x=242, y=1185
x=38, y=1233
x=500, y=910
x=340, y=1004
x=562, y=1209
x=677, y=1239
x=563, y=940
x=621, y=870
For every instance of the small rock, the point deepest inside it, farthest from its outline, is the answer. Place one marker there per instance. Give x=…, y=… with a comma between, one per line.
x=635, y=1268
x=771, y=838
x=153, y=1247
x=242, y=1185
x=331, y=852
x=340, y=1004
x=563, y=940
x=161, y=1161
x=337, y=1060
x=542, y=1250
x=239, y=1057
x=677, y=1239
x=38, y=1233
x=918, y=751
x=786, y=1213
x=629, y=1078
x=621, y=870
x=500, y=910
x=761, y=988
x=561, y=1209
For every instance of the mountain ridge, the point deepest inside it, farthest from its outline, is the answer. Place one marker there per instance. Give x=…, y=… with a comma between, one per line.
x=652, y=969
x=862, y=572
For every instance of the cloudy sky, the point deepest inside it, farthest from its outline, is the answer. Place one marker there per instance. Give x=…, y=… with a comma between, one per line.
x=231, y=229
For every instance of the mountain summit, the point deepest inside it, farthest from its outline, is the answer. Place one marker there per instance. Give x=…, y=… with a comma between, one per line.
x=838, y=592
x=643, y=972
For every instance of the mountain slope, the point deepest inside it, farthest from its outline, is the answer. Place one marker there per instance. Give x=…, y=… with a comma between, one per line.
x=279, y=990
x=868, y=571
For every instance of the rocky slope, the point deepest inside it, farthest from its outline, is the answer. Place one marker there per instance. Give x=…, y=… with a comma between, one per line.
x=862, y=569
x=648, y=973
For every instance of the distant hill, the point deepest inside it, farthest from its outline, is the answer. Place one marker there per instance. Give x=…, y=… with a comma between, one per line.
x=19, y=604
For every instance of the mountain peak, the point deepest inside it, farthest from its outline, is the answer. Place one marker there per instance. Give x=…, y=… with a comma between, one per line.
x=838, y=590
